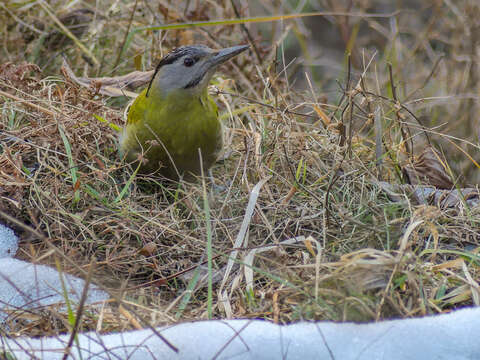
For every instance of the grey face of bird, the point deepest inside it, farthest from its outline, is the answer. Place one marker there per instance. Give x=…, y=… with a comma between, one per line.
x=189, y=68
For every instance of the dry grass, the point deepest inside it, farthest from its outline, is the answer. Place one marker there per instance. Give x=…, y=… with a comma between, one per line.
x=357, y=255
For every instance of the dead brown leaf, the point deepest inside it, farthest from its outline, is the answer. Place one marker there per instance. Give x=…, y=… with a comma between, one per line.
x=429, y=169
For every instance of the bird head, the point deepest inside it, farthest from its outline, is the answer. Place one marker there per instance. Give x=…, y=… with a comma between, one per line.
x=189, y=68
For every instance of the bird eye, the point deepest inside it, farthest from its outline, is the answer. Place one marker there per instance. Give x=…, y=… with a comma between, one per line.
x=188, y=62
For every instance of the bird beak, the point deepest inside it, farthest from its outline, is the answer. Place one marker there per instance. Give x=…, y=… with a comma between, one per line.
x=223, y=55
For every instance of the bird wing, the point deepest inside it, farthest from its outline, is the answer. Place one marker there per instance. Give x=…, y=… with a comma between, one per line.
x=137, y=109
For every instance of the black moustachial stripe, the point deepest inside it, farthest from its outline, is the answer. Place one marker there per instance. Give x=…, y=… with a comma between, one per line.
x=195, y=81
x=173, y=56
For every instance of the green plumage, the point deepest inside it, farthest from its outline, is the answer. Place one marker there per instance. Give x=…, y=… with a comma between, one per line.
x=183, y=124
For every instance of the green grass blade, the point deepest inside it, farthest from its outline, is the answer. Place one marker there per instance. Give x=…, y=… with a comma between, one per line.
x=71, y=164
x=188, y=294
x=127, y=185
x=255, y=19
x=105, y=121
x=206, y=207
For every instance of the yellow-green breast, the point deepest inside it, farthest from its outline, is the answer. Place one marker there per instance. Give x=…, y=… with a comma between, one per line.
x=176, y=125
